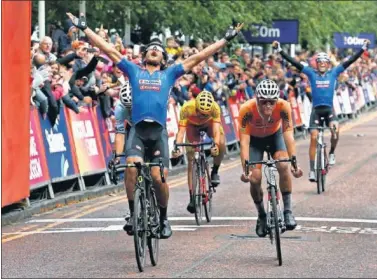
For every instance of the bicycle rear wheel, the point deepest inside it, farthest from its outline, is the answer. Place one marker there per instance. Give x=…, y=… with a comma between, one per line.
x=208, y=191
x=319, y=169
x=154, y=226
x=140, y=228
x=197, y=194
x=276, y=224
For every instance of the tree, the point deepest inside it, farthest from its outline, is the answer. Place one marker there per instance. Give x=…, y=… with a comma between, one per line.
x=208, y=19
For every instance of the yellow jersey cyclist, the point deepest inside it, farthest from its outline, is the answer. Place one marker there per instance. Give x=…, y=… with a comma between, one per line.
x=267, y=121
x=201, y=114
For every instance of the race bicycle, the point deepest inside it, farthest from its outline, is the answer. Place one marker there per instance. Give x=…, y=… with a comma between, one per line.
x=201, y=179
x=275, y=218
x=146, y=222
x=321, y=163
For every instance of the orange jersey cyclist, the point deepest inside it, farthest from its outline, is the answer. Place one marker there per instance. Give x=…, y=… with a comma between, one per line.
x=266, y=121
x=201, y=114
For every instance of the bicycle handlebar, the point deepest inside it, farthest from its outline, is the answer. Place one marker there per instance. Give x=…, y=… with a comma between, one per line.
x=140, y=165
x=192, y=144
x=265, y=162
x=323, y=128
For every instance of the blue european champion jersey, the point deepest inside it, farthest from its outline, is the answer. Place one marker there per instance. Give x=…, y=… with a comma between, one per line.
x=150, y=92
x=323, y=86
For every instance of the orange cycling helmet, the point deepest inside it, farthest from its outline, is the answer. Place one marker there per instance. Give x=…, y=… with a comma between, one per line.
x=204, y=102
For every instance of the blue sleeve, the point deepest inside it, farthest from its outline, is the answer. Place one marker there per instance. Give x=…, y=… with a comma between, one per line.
x=175, y=70
x=338, y=70
x=208, y=87
x=127, y=67
x=308, y=71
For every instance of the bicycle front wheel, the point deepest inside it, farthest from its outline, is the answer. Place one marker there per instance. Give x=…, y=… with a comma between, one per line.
x=325, y=169
x=276, y=224
x=319, y=169
x=140, y=228
x=208, y=190
x=154, y=225
x=197, y=194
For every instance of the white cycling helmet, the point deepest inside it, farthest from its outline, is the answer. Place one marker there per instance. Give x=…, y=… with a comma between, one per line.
x=322, y=56
x=268, y=89
x=125, y=94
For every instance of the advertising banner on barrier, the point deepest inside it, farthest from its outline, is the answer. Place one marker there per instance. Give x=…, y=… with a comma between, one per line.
x=360, y=101
x=227, y=123
x=336, y=104
x=342, y=92
x=296, y=116
x=38, y=165
x=104, y=135
x=87, y=144
x=352, y=97
x=284, y=31
x=58, y=150
x=370, y=90
x=366, y=94
x=234, y=112
x=171, y=126
x=345, y=40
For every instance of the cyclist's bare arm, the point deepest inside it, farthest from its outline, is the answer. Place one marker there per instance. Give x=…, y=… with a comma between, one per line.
x=97, y=41
x=216, y=133
x=245, y=145
x=181, y=133
x=288, y=135
x=194, y=60
x=290, y=142
x=291, y=60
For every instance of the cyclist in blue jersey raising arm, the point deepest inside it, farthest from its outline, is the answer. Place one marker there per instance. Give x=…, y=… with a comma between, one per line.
x=322, y=81
x=151, y=86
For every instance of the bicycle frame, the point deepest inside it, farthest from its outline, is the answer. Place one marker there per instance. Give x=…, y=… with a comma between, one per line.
x=202, y=196
x=322, y=146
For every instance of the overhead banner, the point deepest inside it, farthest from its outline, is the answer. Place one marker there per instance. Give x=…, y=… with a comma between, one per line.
x=87, y=144
x=38, y=165
x=284, y=31
x=345, y=40
x=58, y=149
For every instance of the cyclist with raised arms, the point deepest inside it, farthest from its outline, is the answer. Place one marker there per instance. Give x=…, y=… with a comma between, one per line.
x=151, y=86
x=323, y=82
x=201, y=114
x=266, y=121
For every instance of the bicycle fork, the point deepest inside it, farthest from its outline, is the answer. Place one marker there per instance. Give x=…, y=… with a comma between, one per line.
x=270, y=213
x=322, y=147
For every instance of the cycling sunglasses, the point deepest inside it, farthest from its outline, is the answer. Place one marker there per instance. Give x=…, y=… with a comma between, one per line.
x=323, y=60
x=264, y=102
x=155, y=48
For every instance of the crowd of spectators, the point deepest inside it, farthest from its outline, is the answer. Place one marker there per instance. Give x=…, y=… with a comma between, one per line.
x=65, y=68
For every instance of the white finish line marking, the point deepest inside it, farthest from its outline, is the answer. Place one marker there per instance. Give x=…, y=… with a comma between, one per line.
x=309, y=219
x=112, y=228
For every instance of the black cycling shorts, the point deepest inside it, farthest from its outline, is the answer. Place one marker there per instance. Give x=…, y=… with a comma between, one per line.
x=258, y=146
x=322, y=111
x=148, y=140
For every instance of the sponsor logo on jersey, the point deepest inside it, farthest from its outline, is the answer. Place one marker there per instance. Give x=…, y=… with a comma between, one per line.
x=322, y=83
